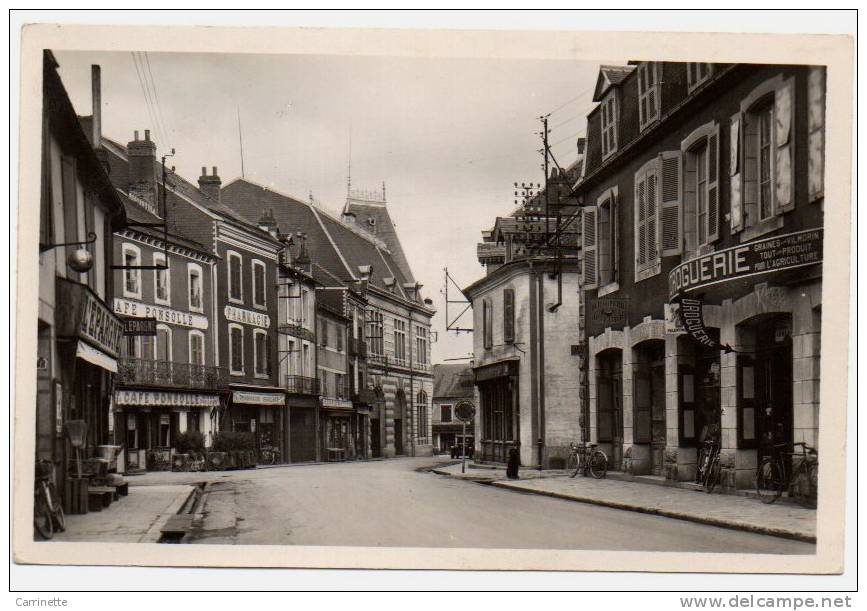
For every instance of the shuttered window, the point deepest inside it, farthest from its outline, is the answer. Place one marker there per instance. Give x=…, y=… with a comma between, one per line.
x=508, y=315
x=609, y=124
x=816, y=133
x=590, y=247
x=235, y=290
x=670, y=207
x=646, y=222
x=736, y=203
x=487, y=323
x=648, y=93
x=236, y=349
x=783, y=186
x=701, y=205
x=697, y=73
x=258, y=283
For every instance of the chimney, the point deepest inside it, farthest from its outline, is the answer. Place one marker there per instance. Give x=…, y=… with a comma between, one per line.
x=142, y=167
x=210, y=185
x=96, y=101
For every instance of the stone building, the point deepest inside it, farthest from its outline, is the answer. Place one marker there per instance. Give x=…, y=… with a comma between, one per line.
x=453, y=383
x=702, y=182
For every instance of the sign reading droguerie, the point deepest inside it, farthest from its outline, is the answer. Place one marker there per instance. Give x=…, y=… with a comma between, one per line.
x=155, y=398
x=248, y=317
x=135, y=309
x=760, y=257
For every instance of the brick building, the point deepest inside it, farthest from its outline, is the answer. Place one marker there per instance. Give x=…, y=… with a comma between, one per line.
x=702, y=182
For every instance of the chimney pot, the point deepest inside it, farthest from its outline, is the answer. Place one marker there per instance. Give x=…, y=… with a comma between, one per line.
x=204, y=171
x=136, y=135
x=148, y=135
x=214, y=168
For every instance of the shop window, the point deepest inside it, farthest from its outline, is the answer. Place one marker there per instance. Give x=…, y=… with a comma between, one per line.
x=235, y=271
x=236, y=349
x=262, y=353
x=259, y=295
x=131, y=277
x=194, y=281
x=648, y=93
x=610, y=117
x=131, y=431
x=162, y=281
x=697, y=73
x=165, y=431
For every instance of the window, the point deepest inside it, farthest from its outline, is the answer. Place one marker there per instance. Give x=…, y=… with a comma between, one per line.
x=164, y=344
x=236, y=292
x=338, y=334
x=696, y=74
x=162, y=282
x=648, y=93
x=646, y=243
x=508, y=316
x=765, y=161
x=816, y=133
x=375, y=333
x=589, y=272
x=609, y=124
x=323, y=332
x=148, y=347
x=236, y=349
x=607, y=232
x=261, y=353
x=197, y=348
x=421, y=334
x=258, y=284
x=445, y=413
x=165, y=430
x=487, y=323
x=422, y=418
x=131, y=277
x=305, y=306
x=340, y=381
x=399, y=340
x=194, y=280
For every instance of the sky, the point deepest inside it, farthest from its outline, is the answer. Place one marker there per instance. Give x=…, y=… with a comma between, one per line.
x=448, y=137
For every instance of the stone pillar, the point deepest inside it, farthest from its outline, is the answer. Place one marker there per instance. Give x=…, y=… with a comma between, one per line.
x=738, y=465
x=806, y=342
x=592, y=373
x=673, y=450
x=632, y=456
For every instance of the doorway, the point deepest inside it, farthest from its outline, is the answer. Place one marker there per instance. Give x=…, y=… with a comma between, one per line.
x=609, y=411
x=649, y=401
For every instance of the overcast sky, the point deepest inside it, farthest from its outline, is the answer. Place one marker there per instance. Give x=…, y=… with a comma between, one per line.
x=447, y=136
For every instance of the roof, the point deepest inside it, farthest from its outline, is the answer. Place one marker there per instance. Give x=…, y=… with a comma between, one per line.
x=375, y=215
x=336, y=247
x=452, y=380
x=610, y=76
x=136, y=214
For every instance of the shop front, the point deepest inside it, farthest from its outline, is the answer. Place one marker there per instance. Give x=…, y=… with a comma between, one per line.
x=339, y=429
x=262, y=413
x=149, y=423
x=499, y=417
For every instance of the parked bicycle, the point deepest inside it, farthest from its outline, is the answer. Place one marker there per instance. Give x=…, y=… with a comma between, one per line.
x=48, y=515
x=586, y=458
x=269, y=455
x=800, y=480
x=708, y=469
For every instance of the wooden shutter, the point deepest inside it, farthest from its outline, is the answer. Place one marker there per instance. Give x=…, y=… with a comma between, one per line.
x=713, y=204
x=784, y=101
x=686, y=430
x=640, y=218
x=508, y=315
x=590, y=246
x=652, y=182
x=816, y=131
x=669, y=209
x=736, y=202
x=641, y=406
x=746, y=401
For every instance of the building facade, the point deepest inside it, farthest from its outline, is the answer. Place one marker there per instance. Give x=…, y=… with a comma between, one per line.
x=78, y=337
x=702, y=195
x=453, y=383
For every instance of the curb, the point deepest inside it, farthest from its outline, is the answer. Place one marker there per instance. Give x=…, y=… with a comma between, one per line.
x=155, y=531
x=688, y=517
x=468, y=478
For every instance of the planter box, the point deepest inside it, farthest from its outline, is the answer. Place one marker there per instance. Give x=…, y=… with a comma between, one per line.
x=216, y=461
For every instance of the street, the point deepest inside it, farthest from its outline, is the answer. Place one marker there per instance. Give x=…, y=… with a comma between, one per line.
x=398, y=503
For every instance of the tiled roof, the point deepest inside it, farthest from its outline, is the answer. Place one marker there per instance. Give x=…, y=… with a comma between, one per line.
x=136, y=214
x=383, y=228
x=332, y=244
x=610, y=76
x=452, y=380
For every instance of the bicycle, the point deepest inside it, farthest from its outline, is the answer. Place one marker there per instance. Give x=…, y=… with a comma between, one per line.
x=773, y=475
x=48, y=515
x=709, y=469
x=586, y=458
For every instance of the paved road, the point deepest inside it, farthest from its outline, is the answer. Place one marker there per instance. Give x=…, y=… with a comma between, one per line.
x=393, y=503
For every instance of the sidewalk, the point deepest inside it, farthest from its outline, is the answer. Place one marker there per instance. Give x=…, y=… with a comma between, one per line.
x=727, y=511
x=135, y=518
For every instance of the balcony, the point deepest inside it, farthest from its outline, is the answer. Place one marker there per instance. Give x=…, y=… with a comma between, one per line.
x=490, y=252
x=357, y=347
x=171, y=374
x=296, y=330
x=302, y=385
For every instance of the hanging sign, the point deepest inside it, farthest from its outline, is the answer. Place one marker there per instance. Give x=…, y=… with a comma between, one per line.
x=133, y=327
x=777, y=253
x=465, y=411
x=693, y=322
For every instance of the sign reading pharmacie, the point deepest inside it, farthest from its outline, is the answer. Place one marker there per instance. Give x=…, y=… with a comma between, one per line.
x=136, y=309
x=157, y=398
x=248, y=317
x=774, y=254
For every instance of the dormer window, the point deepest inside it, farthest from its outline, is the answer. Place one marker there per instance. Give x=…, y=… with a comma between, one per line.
x=696, y=74
x=648, y=93
x=609, y=124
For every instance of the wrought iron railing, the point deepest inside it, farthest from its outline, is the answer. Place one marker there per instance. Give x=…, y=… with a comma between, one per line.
x=170, y=373
x=302, y=385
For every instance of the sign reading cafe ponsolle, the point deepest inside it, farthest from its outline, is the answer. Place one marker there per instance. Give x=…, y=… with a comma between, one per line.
x=135, y=309
x=773, y=254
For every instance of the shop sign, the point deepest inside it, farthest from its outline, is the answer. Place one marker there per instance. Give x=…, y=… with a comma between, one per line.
x=133, y=327
x=248, y=317
x=154, y=398
x=608, y=312
x=465, y=411
x=693, y=322
x=81, y=313
x=135, y=309
x=258, y=398
x=336, y=403
x=774, y=254
x=496, y=370
x=673, y=323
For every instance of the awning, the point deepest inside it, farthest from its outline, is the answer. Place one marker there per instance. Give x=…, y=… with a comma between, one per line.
x=97, y=357
x=258, y=398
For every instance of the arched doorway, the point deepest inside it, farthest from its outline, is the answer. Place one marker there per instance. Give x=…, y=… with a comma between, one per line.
x=399, y=411
x=609, y=405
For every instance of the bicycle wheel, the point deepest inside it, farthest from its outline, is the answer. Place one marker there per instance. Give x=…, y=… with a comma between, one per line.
x=598, y=464
x=59, y=516
x=769, y=480
x=803, y=486
x=699, y=465
x=714, y=471
x=42, y=521
x=572, y=464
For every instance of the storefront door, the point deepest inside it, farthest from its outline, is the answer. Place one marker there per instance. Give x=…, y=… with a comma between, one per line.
x=609, y=414
x=774, y=396
x=302, y=434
